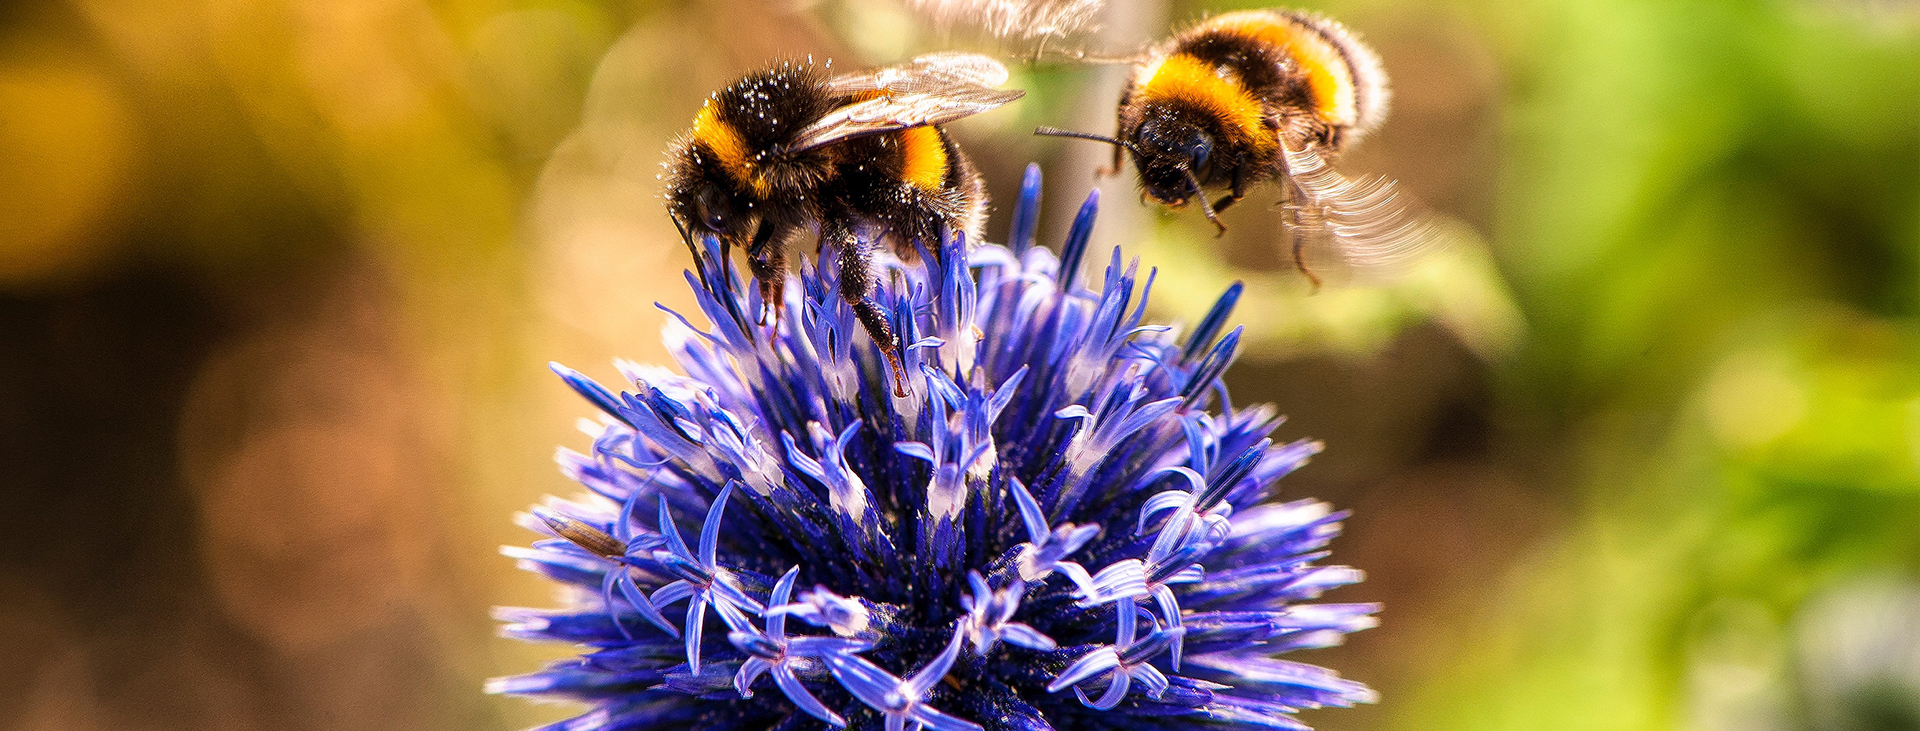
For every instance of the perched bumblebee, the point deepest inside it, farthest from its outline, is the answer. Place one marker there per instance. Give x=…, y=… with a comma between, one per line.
x=1259, y=95
x=859, y=159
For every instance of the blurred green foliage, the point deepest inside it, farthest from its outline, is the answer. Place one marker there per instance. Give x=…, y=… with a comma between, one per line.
x=1708, y=212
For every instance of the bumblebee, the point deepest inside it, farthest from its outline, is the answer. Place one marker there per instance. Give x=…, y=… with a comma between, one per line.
x=858, y=159
x=1257, y=95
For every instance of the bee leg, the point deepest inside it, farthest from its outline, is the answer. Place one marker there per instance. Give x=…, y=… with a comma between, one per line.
x=1300, y=259
x=1219, y=229
x=770, y=270
x=1238, y=191
x=856, y=288
x=1297, y=229
x=1205, y=206
x=1296, y=224
x=1217, y=207
x=767, y=259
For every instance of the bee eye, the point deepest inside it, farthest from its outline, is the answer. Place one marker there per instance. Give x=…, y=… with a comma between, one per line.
x=1200, y=148
x=713, y=207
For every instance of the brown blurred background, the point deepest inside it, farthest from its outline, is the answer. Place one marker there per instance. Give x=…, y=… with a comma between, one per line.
x=279, y=278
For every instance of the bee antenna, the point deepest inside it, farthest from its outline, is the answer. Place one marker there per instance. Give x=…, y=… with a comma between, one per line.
x=1205, y=206
x=693, y=247
x=1057, y=132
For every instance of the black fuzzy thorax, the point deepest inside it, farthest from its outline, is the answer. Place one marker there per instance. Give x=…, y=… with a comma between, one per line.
x=1272, y=76
x=1269, y=76
x=769, y=107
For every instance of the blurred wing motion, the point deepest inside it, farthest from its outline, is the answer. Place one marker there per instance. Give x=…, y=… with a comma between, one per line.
x=1370, y=226
x=1025, y=19
x=932, y=71
x=932, y=89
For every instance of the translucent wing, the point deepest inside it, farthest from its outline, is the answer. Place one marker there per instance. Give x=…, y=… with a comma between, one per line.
x=931, y=72
x=1027, y=19
x=932, y=89
x=1366, y=221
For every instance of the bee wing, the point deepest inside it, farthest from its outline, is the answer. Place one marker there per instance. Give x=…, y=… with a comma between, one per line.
x=931, y=72
x=932, y=89
x=1366, y=221
x=1027, y=19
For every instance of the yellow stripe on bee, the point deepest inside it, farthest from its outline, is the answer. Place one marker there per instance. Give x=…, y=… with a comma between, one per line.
x=925, y=163
x=1183, y=78
x=727, y=146
x=1326, y=70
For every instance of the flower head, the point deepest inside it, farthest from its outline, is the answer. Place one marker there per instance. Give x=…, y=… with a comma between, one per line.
x=1066, y=500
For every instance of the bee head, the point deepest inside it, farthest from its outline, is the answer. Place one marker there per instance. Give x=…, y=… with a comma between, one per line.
x=1172, y=156
x=708, y=207
x=723, y=213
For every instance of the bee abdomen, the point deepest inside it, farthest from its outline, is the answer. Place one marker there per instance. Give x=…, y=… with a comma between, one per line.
x=967, y=191
x=924, y=160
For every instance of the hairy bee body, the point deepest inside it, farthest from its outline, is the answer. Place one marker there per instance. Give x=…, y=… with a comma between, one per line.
x=1223, y=98
x=859, y=159
x=1266, y=95
x=1305, y=72
x=735, y=169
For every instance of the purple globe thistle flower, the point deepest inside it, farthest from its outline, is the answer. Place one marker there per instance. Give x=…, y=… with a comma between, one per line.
x=1066, y=500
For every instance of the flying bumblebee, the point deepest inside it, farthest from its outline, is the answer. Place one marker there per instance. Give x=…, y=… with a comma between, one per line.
x=1257, y=95
x=858, y=159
